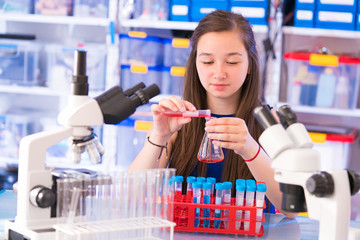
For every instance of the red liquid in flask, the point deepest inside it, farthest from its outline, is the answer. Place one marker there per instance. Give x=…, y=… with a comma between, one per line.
x=210, y=160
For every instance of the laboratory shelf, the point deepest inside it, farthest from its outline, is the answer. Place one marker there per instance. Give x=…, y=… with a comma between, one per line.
x=49, y=19
x=175, y=25
x=44, y=91
x=321, y=32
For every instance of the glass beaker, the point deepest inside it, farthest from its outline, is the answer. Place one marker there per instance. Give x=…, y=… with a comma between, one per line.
x=208, y=152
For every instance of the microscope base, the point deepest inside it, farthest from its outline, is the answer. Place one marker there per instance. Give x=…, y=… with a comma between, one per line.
x=14, y=231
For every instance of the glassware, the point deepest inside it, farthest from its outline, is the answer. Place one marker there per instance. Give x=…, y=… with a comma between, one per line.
x=208, y=152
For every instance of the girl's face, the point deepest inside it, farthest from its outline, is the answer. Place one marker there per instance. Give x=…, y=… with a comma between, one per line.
x=222, y=63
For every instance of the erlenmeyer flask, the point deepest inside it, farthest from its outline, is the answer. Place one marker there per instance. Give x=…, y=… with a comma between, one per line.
x=208, y=152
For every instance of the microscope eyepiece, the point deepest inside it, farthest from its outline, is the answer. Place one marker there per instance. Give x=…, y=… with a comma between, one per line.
x=264, y=116
x=287, y=116
x=79, y=83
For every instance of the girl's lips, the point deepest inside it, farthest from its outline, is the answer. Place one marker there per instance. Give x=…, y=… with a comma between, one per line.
x=219, y=86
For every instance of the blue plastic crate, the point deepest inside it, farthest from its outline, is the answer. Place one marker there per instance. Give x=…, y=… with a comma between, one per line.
x=132, y=75
x=173, y=80
x=256, y=11
x=176, y=51
x=200, y=8
x=337, y=5
x=358, y=21
x=140, y=48
x=335, y=20
x=305, y=4
x=180, y=10
x=304, y=18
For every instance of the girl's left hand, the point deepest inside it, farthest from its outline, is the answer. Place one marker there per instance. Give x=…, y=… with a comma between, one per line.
x=232, y=133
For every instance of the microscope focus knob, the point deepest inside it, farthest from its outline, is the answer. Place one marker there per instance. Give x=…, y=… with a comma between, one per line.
x=42, y=197
x=354, y=180
x=320, y=184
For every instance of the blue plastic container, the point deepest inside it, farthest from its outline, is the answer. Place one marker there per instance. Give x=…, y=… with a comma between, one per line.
x=179, y=10
x=335, y=20
x=304, y=18
x=139, y=48
x=306, y=4
x=176, y=51
x=256, y=11
x=337, y=5
x=172, y=81
x=200, y=8
x=132, y=75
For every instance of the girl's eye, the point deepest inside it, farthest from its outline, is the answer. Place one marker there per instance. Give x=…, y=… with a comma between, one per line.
x=233, y=63
x=207, y=62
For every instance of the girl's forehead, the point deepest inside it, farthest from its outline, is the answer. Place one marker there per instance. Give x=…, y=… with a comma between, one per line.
x=228, y=41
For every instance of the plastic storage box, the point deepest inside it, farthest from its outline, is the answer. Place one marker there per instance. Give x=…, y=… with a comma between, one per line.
x=304, y=13
x=334, y=147
x=16, y=6
x=335, y=20
x=135, y=74
x=322, y=80
x=179, y=10
x=176, y=51
x=89, y=8
x=199, y=8
x=54, y=7
x=60, y=66
x=139, y=48
x=337, y=5
x=256, y=11
x=131, y=135
x=173, y=80
x=19, y=63
x=152, y=10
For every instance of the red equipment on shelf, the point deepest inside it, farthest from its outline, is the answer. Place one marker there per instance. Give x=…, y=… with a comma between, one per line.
x=184, y=217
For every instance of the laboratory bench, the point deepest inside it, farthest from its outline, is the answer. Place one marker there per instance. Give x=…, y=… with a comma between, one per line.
x=276, y=226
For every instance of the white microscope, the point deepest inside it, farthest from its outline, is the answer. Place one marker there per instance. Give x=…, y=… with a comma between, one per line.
x=36, y=196
x=324, y=194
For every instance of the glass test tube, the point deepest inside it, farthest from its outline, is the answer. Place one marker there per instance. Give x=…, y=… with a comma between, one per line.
x=206, y=200
x=240, y=192
x=212, y=181
x=227, y=201
x=218, y=200
x=197, y=199
x=249, y=200
x=260, y=197
x=189, y=188
x=178, y=186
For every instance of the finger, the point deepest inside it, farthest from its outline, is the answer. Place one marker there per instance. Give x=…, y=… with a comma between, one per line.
x=228, y=137
x=225, y=121
x=178, y=103
x=189, y=105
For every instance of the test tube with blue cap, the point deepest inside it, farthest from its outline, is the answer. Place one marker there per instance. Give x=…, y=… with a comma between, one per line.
x=178, y=185
x=197, y=199
x=227, y=201
x=218, y=200
x=260, y=197
x=240, y=193
x=249, y=200
x=201, y=179
x=190, y=180
x=206, y=200
x=212, y=181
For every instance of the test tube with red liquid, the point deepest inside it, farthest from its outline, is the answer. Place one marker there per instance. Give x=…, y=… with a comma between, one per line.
x=198, y=113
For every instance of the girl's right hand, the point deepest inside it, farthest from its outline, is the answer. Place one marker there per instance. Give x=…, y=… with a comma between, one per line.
x=163, y=126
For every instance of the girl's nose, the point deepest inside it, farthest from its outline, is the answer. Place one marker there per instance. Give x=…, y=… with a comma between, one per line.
x=220, y=72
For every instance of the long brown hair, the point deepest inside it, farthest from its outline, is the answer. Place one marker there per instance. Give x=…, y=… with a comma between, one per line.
x=186, y=145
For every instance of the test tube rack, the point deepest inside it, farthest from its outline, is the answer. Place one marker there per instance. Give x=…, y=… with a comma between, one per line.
x=184, y=217
x=133, y=204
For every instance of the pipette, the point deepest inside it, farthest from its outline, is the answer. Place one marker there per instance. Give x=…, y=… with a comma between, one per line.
x=198, y=113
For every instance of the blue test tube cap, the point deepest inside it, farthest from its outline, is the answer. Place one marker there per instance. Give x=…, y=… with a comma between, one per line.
x=207, y=185
x=227, y=185
x=250, y=185
x=211, y=180
x=191, y=179
x=240, y=182
x=179, y=178
x=197, y=185
x=241, y=187
x=200, y=179
x=261, y=187
x=219, y=186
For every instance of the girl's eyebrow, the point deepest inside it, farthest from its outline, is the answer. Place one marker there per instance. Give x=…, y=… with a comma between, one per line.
x=229, y=54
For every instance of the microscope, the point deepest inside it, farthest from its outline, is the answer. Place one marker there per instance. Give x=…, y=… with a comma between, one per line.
x=36, y=197
x=324, y=194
